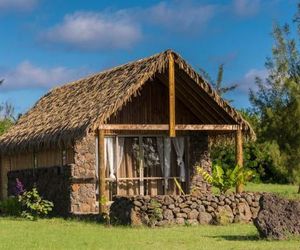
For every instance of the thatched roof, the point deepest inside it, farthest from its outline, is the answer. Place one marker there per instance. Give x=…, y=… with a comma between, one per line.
x=66, y=113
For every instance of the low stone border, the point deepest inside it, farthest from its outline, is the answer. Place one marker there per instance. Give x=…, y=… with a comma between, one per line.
x=185, y=209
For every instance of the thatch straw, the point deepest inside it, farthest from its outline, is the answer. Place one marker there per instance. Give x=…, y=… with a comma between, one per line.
x=67, y=113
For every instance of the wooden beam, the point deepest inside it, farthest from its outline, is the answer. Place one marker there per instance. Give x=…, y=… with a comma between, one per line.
x=192, y=105
x=239, y=156
x=189, y=127
x=101, y=172
x=172, y=132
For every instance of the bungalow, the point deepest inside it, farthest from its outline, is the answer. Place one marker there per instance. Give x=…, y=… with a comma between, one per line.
x=136, y=129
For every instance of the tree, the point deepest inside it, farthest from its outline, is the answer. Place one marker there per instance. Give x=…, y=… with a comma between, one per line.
x=6, y=115
x=277, y=100
x=218, y=84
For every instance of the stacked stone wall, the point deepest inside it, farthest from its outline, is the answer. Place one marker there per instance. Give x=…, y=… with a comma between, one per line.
x=83, y=187
x=185, y=209
x=199, y=156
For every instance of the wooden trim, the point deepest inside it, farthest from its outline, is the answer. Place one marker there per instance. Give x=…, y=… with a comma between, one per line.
x=101, y=171
x=172, y=132
x=239, y=156
x=138, y=178
x=191, y=127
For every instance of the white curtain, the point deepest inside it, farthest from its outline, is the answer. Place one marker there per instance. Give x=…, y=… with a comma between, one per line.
x=164, y=151
x=109, y=159
x=120, y=153
x=179, y=148
x=109, y=156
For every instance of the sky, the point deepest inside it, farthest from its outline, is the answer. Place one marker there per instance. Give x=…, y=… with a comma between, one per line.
x=46, y=43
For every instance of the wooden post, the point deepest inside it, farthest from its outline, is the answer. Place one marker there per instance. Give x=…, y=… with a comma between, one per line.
x=239, y=156
x=172, y=132
x=101, y=171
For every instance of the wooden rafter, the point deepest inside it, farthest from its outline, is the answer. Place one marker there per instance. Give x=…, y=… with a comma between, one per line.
x=206, y=98
x=184, y=98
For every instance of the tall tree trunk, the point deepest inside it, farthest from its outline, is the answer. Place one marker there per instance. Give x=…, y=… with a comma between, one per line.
x=299, y=189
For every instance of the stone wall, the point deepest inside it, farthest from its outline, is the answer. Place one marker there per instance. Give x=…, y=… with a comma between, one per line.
x=53, y=183
x=83, y=189
x=188, y=209
x=199, y=156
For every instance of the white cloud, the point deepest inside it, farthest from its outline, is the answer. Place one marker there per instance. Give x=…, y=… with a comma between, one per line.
x=248, y=81
x=246, y=8
x=22, y=5
x=181, y=17
x=91, y=31
x=94, y=31
x=27, y=75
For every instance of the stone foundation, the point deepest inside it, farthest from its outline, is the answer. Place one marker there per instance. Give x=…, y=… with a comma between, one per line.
x=188, y=209
x=53, y=184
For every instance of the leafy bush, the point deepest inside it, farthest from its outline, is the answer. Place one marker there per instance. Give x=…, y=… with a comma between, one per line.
x=33, y=206
x=224, y=179
x=10, y=206
x=27, y=204
x=264, y=159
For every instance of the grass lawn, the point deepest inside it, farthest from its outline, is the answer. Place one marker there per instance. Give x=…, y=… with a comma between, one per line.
x=67, y=234
x=287, y=191
x=72, y=234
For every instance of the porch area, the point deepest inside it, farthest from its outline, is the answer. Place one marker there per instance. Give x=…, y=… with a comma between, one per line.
x=143, y=160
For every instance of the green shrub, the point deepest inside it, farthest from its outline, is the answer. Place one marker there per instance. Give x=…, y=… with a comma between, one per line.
x=33, y=205
x=10, y=206
x=224, y=179
x=264, y=159
x=27, y=204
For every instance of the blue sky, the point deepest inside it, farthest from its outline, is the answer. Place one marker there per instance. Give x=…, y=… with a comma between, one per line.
x=47, y=43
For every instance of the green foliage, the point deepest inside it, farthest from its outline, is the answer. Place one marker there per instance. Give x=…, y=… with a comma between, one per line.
x=5, y=125
x=277, y=101
x=156, y=212
x=6, y=114
x=263, y=159
x=29, y=205
x=224, y=179
x=10, y=206
x=33, y=206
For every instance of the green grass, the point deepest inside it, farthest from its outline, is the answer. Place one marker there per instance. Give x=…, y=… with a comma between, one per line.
x=62, y=234
x=70, y=234
x=287, y=191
